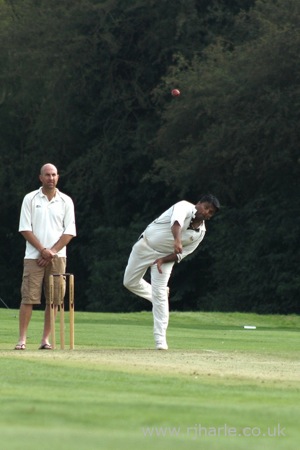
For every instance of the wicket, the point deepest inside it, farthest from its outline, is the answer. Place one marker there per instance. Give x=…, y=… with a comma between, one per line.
x=62, y=277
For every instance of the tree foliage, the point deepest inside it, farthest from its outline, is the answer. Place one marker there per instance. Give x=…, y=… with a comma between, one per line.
x=85, y=84
x=236, y=131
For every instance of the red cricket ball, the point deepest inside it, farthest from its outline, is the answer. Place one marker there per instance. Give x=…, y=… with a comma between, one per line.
x=175, y=92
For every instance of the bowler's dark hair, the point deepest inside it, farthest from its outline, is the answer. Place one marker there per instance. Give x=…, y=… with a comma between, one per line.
x=209, y=198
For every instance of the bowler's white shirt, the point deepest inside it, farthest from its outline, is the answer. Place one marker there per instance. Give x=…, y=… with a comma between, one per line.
x=48, y=220
x=159, y=235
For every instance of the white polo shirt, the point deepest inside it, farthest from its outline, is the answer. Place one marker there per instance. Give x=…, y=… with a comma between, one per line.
x=159, y=234
x=48, y=220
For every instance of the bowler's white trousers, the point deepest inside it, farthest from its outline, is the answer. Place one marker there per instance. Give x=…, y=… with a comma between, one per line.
x=141, y=258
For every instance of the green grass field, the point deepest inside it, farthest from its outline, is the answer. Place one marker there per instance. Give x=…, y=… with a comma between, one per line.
x=219, y=386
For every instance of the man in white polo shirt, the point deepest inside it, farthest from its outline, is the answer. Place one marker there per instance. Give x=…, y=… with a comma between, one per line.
x=168, y=239
x=47, y=222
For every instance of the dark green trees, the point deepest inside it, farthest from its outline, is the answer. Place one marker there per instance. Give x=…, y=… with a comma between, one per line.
x=236, y=131
x=85, y=84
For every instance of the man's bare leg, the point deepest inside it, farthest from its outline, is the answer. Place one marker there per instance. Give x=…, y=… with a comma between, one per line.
x=24, y=319
x=47, y=327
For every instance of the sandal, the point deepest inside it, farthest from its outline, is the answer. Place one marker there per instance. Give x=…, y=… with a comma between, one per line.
x=20, y=347
x=45, y=347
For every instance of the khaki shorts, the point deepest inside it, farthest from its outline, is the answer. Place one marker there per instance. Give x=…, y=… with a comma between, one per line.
x=36, y=278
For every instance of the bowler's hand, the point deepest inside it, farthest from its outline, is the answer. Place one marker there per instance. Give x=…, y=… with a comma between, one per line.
x=177, y=246
x=159, y=263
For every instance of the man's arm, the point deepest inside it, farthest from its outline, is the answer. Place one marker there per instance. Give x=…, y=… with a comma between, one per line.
x=44, y=259
x=61, y=243
x=165, y=259
x=33, y=240
x=49, y=253
x=176, y=231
